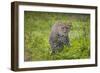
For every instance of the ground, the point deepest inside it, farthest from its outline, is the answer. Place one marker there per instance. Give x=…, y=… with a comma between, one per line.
x=37, y=28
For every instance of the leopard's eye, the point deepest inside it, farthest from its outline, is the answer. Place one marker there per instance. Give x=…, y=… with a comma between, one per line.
x=62, y=28
x=67, y=27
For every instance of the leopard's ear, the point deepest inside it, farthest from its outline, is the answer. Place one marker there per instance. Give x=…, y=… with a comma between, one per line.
x=69, y=26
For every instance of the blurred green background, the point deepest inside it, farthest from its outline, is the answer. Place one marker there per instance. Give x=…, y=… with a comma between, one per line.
x=37, y=27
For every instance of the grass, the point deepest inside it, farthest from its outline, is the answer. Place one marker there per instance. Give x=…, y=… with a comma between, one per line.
x=37, y=27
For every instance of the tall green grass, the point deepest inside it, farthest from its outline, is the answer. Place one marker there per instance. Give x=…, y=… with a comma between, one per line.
x=37, y=28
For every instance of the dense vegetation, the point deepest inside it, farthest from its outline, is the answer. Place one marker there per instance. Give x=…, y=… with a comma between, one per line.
x=37, y=27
